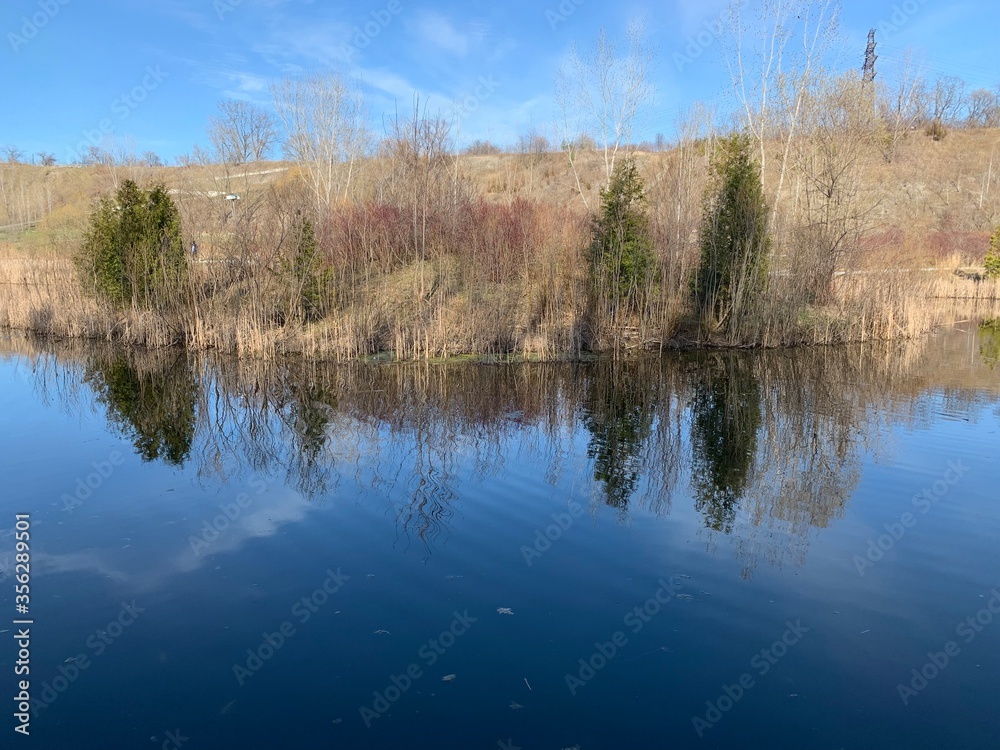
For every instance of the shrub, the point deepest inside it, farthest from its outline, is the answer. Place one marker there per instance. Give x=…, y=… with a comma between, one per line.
x=132, y=251
x=735, y=243
x=500, y=240
x=992, y=261
x=936, y=131
x=621, y=254
x=482, y=148
x=309, y=277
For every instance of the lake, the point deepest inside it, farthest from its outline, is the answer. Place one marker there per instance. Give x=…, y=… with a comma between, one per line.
x=782, y=549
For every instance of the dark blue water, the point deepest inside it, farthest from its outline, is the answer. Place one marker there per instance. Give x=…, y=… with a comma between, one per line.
x=698, y=551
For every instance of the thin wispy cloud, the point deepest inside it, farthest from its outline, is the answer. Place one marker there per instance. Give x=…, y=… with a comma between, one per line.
x=233, y=79
x=438, y=31
x=249, y=87
x=324, y=44
x=395, y=86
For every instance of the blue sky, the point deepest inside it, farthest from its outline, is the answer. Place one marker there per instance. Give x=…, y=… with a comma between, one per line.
x=155, y=70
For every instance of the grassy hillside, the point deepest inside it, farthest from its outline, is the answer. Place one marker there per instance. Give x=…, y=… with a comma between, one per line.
x=937, y=201
x=489, y=254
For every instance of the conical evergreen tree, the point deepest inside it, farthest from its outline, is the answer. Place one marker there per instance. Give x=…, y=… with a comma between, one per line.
x=621, y=253
x=992, y=261
x=133, y=252
x=735, y=244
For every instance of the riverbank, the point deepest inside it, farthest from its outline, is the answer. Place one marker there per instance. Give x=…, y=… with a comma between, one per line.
x=235, y=311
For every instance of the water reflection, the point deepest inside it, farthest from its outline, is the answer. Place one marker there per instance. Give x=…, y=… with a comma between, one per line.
x=765, y=446
x=989, y=336
x=618, y=411
x=149, y=398
x=726, y=417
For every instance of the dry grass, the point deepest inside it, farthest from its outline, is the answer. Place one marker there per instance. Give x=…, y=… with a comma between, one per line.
x=513, y=319
x=499, y=265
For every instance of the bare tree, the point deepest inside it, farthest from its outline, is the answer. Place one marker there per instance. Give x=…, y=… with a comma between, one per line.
x=46, y=159
x=242, y=132
x=92, y=156
x=420, y=154
x=947, y=99
x=601, y=94
x=900, y=104
x=984, y=109
x=326, y=126
x=533, y=142
x=772, y=78
x=151, y=159
x=12, y=154
x=116, y=156
x=531, y=147
x=833, y=207
x=676, y=187
x=480, y=147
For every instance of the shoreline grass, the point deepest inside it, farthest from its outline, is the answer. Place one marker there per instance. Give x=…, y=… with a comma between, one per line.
x=42, y=295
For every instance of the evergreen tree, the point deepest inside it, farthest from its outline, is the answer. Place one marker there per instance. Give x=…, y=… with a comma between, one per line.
x=132, y=252
x=992, y=261
x=734, y=237
x=308, y=276
x=621, y=253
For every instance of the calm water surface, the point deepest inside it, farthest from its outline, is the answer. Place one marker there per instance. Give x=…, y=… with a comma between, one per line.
x=697, y=551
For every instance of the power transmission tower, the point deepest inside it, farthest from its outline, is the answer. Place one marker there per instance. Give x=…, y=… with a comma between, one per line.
x=868, y=73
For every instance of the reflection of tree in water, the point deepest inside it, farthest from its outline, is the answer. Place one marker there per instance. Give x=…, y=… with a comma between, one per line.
x=777, y=438
x=725, y=419
x=279, y=418
x=989, y=342
x=618, y=412
x=309, y=412
x=396, y=431
x=434, y=418
x=429, y=509
x=152, y=401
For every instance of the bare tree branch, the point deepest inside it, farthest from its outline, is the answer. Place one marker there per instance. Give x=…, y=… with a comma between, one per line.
x=242, y=132
x=326, y=127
